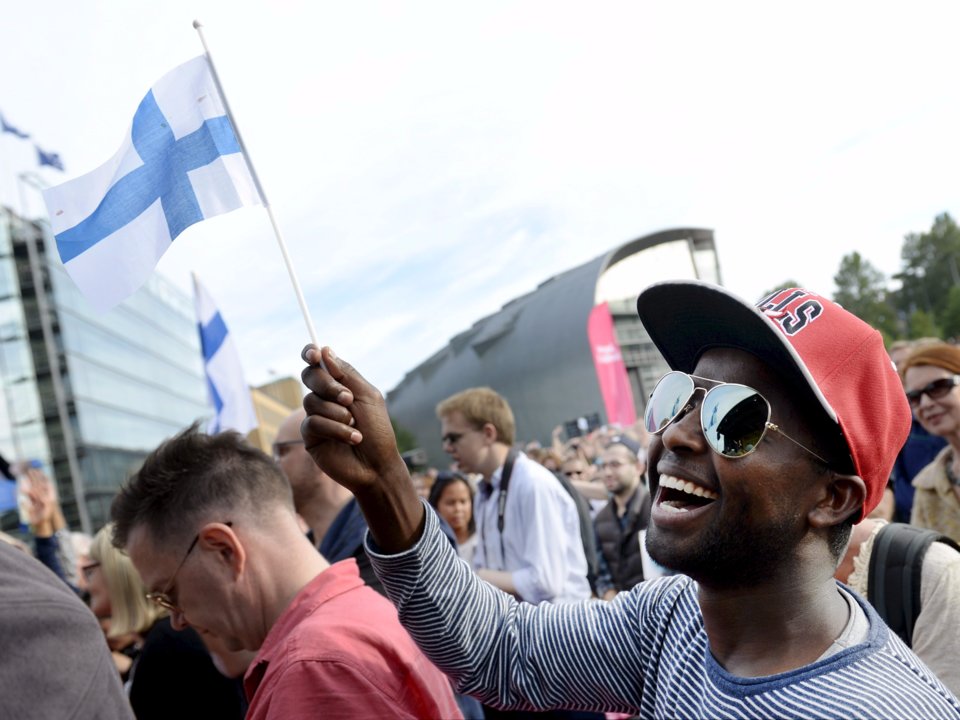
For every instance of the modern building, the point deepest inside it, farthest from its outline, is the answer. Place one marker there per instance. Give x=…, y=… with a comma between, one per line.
x=88, y=394
x=535, y=350
x=273, y=402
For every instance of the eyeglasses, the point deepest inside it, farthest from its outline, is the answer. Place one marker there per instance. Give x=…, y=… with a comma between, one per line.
x=280, y=448
x=734, y=418
x=452, y=438
x=88, y=569
x=934, y=390
x=162, y=598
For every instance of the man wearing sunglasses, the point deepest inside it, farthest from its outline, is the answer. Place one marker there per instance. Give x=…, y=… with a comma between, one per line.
x=775, y=433
x=527, y=524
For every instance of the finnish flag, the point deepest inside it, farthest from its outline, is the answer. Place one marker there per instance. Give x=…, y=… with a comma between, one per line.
x=180, y=163
x=229, y=394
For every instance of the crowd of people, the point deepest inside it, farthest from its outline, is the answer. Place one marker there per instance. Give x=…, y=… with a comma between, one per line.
x=775, y=537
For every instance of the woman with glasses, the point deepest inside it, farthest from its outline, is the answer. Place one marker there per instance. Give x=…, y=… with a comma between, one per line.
x=931, y=378
x=170, y=673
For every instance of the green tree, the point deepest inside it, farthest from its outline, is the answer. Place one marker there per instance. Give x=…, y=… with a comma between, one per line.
x=922, y=324
x=782, y=286
x=950, y=317
x=930, y=268
x=406, y=440
x=861, y=289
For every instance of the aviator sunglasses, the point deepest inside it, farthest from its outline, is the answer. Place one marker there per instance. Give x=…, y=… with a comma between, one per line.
x=734, y=418
x=934, y=390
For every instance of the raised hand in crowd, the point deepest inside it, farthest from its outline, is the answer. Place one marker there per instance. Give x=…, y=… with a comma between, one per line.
x=53, y=546
x=44, y=512
x=344, y=409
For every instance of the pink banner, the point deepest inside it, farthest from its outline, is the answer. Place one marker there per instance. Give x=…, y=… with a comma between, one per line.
x=611, y=370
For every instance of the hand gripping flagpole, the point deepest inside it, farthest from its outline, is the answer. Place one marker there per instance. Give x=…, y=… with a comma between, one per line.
x=256, y=181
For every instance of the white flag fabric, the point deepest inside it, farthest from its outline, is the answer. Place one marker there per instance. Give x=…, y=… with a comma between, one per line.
x=229, y=394
x=180, y=163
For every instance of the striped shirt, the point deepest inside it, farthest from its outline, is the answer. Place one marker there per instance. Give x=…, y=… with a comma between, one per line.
x=645, y=652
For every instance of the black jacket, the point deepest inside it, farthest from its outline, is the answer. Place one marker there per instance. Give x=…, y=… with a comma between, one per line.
x=620, y=546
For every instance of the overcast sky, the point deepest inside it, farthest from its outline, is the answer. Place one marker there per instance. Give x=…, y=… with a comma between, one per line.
x=429, y=161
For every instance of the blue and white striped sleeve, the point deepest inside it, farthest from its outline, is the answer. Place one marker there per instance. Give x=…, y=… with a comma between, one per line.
x=508, y=653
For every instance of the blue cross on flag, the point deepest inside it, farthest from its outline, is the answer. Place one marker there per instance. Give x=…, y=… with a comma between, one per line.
x=7, y=128
x=228, y=390
x=181, y=163
x=49, y=158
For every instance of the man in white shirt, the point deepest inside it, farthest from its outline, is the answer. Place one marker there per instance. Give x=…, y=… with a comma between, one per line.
x=528, y=527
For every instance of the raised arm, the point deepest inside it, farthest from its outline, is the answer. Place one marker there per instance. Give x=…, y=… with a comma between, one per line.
x=47, y=525
x=510, y=654
x=347, y=431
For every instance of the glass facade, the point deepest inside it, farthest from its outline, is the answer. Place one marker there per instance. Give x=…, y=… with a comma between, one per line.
x=22, y=425
x=88, y=393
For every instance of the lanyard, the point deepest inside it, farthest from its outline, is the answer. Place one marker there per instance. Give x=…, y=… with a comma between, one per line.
x=501, y=507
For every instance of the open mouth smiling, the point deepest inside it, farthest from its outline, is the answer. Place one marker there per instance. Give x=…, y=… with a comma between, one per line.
x=678, y=495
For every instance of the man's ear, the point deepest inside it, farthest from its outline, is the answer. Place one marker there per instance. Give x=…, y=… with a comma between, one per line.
x=220, y=539
x=841, y=497
x=489, y=433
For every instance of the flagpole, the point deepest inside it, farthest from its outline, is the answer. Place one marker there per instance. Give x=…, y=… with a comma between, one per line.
x=256, y=180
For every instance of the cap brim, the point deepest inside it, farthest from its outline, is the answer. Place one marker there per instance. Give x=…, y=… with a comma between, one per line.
x=686, y=318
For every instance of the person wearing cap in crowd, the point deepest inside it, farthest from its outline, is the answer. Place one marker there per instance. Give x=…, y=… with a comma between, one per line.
x=209, y=523
x=620, y=522
x=772, y=436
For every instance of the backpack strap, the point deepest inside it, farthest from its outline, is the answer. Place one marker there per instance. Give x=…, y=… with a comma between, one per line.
x=896, y=567
x=583, y=512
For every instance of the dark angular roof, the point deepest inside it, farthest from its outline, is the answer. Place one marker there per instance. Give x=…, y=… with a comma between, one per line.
x=534, y=351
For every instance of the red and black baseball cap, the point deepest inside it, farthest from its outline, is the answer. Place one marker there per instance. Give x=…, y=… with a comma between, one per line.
x=813, y=343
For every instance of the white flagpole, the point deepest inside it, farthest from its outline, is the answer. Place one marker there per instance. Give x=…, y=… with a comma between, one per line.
x=256, y=180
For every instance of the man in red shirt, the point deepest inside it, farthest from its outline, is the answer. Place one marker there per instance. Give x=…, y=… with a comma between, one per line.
x=209, y=523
